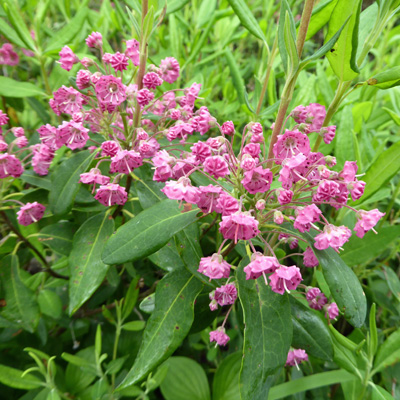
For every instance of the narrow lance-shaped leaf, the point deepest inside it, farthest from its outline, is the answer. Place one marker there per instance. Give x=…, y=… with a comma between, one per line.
x=320, y=17
x=87, y=271
x=65, y=181
x=267, y=335
x=285, y=10
x=168, y=325
x=21, y=306
x=10, y=87
x=147, y=232
x=386, y=79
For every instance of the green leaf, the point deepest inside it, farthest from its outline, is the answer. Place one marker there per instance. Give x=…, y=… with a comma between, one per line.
x=226, y=379
x=267, y=334
x=36, y=180
x=134, y=326
x=247, y=18
x=379, y=393
x=206, y=8
x=368, y=19
x=386, y=79
x=21, y=306
x=309, y=382
x=115, y=366
x=10, y=34
x=320, y=17
x=393, y=281
x=58, y=237
x=343, y=57
x=148, y=304
x=12, y=88
x=284, y=24
x=167, y=258
x=309, y=332
x=149, y=192
x=290, y=43
x=65, y=181
x=68, y=32
x=385, y=167
x=87, y=271
x=185, y=380
x=373, y=341
x=358, y=251
x=344, y=148
x=12, y=377
x=50, y=303
x=147, y=232
x=175, y=5
x=168, y=325
x=388, y=352
x=130, y=299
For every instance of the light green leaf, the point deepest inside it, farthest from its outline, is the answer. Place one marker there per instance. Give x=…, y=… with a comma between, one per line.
x=379, y=393
x=267, y=334
x=320, y=17
x=50, y=303
x=344, y=149
x=343, y=55
x=147, y=232
x=10, y=34
x=21, y=306
x=65, y=181
x=386, y=79
x=392, y=280
x=134, y=325
x=185, y=380
x=388, y=352
x=87, y=271
x=58, y=237
x=226, y=379
x=12, y=88
x=168, y=325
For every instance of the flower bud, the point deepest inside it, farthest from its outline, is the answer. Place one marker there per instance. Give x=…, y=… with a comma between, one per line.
x=260, y=205
x=278, y=217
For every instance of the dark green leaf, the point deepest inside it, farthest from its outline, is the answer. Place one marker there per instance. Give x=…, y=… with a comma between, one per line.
x=147, y=232
x=309, y=332
x=167, y=258
x=168, y=325
x=267, y=334
x=58, y=236
x=226, y=379
x=388, y=352
x=87, y=271
x=65, y=181
x=185, y=380
x=50, y=303
x=32, y=178
x=18, y=89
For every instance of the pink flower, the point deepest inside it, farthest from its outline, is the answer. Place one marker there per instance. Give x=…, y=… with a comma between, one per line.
x=316, y=299
x=10, y=166
x=257, y=180
x=8, y=56
x=149, y=147
x=214, y=267
x=3, y=118
x=21, y=142
x=216, y=166
x=328, y=133
x=203, y=121
x=285, y=196
x=110, y=90
x=106, y=58
x=253, y=149
x=260, y=265
x=83, y=79
x=111, y=194
x=307, y=216
x=227, y=204
x=219, y=336
x=94, y=176
x=226, y=294
x=296, y=356
x=260, y=205
x=119, y=61
x=191, y=94
x=67, y=100
x=285, y=279
x=333, y=310
x=332, y=236
x=228, y=128
x=248, y=162
x=180, y=130
x=30, y=213
x=290, y=144
x=73, y=134
x=48, y=136
x=109, y=148
x=201, y=151
x=239, y=226
x=315, y=117
x=182, y=190
x=326, y=190
x=208, y=198
x=278, y=218
x=3, y=145
x=169, y=69
x=18, y=131
x=309, y=258
x=151, y=80
x=95, y=40
x=144, y=97
x=67, y=58
x=299, y=114
x=125, y=161
x=42, y=157
x=132, y=51
x=356, y=189
x=348, y=174
x=367, y=220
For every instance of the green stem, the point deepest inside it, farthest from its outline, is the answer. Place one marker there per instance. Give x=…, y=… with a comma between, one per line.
x=115, y=350
x=45, y=77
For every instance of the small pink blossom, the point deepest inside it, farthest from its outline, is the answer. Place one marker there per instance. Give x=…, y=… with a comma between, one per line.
x=299, y=114
x=248, y=162
x=8, y=56
x=356, y=189
x=73, y=134
x=67, y=58
x=144, y=97
x=201, y=151
x=333, y=310
x=30, y=213
x=3, y=118
x=239, y=226
x=227, y=204
x=111, y=194
x=295, y=357
x=94, y=176
x=125, y=161
x=119, y=61
x=169, y=69
x=208, y=198
x=179, y=130
x=109, y=148
x=10, y=166
x=257, y=180
x=315, y=117
x=151, y=80
x=253, y=149
x=326, y=190
x=216, y=166
x=332, y=236
x=366, y=221
x=309, y=258
x=132, y=51
x=95, y=40
x=18, y=131
x=290, y=144
x=306, y=216
x=260, y=265
x=42, y=157
x=260, y=205
x=83, y=79
x=285, y=196
x=348, y=174
x=67, y=100
x=226, y=295
x=110, y=90
x=219, y=336
x=3, y=145
x=214, y=267
x=316, y=299
x=328, y=133
x=182, y=190
x=48, y=136
x=21, y=142
x=228, y=128
x=285, y=279
x=278, y=217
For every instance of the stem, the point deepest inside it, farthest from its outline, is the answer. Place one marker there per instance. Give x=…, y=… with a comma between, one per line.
x=305, y=21
x=32, y=247
x=268, y=73
x=117, y=335
x=45, y=77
